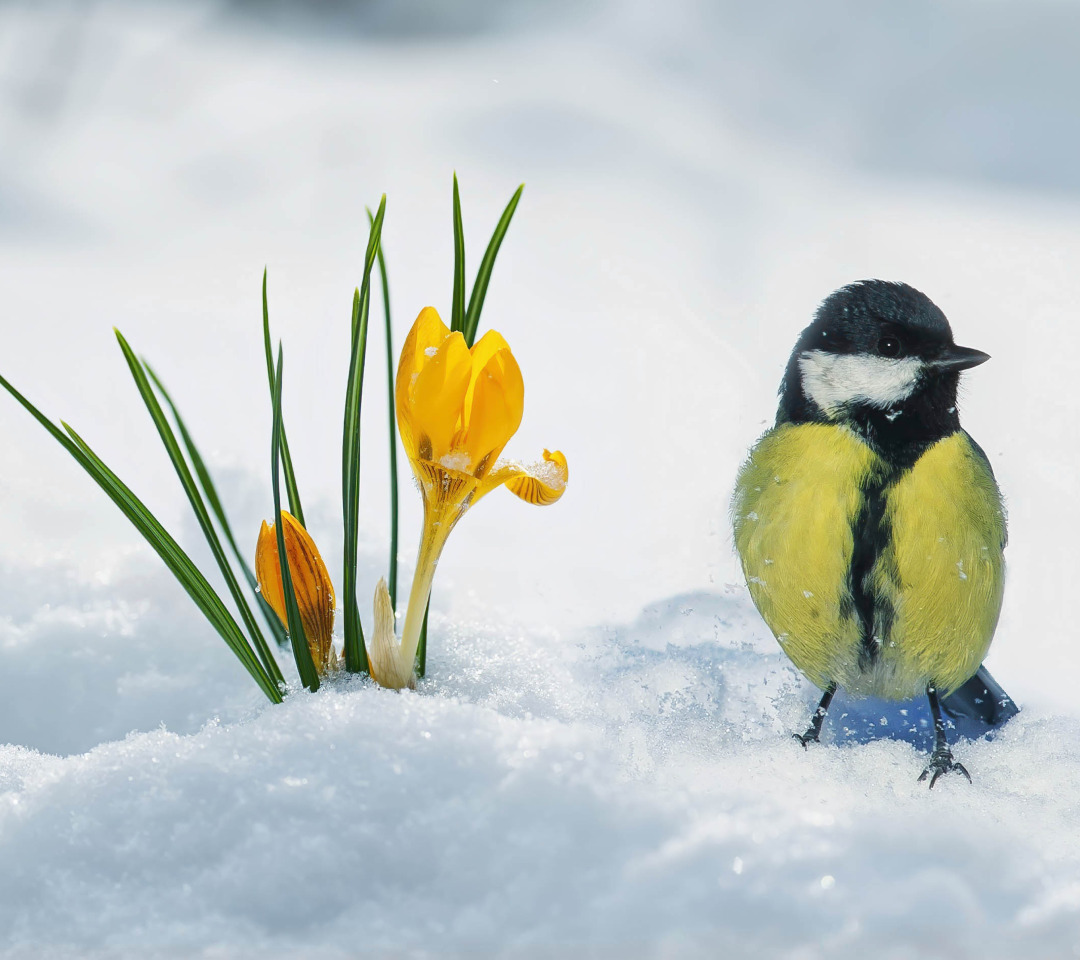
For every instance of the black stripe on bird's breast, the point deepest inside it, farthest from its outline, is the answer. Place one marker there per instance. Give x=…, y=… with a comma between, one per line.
x=870, y=535
x=899, y=437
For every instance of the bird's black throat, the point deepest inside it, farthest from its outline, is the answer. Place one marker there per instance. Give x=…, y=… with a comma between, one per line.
x=904, y=432
x=899, y=434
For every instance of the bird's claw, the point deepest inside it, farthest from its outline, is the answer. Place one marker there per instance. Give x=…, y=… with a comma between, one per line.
x=941, y=761
x=805, y=738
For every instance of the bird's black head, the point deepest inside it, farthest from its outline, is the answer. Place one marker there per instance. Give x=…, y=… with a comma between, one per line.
x=880, y=358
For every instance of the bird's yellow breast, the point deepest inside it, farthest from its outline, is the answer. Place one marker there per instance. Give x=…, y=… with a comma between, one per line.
x=934, y=584
x=796, y=499
x=943, y=571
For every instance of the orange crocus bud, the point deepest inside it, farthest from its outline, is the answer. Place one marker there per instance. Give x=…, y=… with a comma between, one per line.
x=311, y=584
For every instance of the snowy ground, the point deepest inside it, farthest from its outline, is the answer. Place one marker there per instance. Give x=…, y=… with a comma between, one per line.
x=599, y=764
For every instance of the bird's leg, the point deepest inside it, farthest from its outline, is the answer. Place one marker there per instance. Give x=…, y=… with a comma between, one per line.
x=941, y=760
x=814, y=730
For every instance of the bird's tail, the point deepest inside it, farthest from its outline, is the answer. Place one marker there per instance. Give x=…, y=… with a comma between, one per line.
x=981, y=698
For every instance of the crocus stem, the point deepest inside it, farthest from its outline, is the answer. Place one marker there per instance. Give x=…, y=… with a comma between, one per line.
x=432, y=542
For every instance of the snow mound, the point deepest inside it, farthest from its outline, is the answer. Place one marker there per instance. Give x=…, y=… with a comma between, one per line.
x=615, y=792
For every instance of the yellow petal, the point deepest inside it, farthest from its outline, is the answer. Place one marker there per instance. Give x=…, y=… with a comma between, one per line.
x=311, y=584
x=428, y=332
x=437, y=397
x=383, y=649
x=485, y=348
x=268, y=571
x=481, y=353
x=493, y=409
x=541, y=484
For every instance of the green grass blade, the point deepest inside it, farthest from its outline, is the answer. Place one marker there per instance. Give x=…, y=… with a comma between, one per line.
x=210, y=492
x=305, y=666
x=355, y=653
x=175, y=559
x=178, y=563
x=390, y=401
x=168, y=438
x=293, y=491
x=457, y=314
x=487, y=264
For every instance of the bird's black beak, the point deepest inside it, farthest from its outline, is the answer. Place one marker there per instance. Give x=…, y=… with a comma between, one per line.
x=958, y=358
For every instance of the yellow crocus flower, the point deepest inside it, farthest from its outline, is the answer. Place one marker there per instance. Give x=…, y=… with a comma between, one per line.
x=456, y=409
x=311, y=583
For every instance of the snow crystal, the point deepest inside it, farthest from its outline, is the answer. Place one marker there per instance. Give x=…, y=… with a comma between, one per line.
x=459, y=462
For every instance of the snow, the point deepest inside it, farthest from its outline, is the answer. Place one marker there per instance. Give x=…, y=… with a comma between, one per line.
x=630, y=792
x=600, y=762
x=455, y=461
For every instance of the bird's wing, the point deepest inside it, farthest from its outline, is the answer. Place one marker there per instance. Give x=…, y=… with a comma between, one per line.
x=985, y=460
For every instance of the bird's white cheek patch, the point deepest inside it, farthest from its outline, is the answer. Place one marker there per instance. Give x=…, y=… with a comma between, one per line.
x=833, y=380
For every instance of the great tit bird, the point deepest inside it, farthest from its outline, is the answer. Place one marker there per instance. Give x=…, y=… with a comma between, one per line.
x=869, y=525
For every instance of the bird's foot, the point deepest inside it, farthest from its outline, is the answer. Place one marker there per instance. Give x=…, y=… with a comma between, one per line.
x=941, y=761
x=811, y=736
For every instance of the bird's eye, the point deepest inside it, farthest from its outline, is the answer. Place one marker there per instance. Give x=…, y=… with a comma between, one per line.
x=889, y=346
